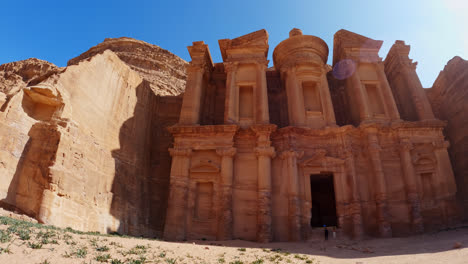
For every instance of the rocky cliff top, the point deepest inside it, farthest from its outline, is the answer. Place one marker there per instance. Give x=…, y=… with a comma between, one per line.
x=17, y=75
x=164, y=70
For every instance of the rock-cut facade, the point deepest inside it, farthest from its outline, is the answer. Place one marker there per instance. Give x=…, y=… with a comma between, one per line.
x=272, y=154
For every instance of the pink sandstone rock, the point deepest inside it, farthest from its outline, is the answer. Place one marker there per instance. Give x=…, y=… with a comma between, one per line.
x=110, y=144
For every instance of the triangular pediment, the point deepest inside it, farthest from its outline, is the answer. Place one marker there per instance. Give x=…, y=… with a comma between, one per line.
x=205, y=167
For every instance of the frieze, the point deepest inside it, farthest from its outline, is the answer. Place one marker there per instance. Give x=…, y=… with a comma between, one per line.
x=229, y=151
x=185, y=152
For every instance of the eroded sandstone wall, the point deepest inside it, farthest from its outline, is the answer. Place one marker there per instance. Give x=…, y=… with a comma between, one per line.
x=449, y=99
x=16, y=120
x=87, y=147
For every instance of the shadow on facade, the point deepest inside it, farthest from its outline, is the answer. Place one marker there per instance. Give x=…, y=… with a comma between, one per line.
x=142, y=165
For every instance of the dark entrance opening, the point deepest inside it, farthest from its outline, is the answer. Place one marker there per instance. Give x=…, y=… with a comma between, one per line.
x=323, y=200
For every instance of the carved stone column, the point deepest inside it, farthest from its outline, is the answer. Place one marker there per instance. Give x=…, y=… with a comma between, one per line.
x=190, y=112
x=295, y=97
x=355, y=204
x=175, y=227
x=264, y=155
x=262, y=114
x=328, y=112
x=445, y=182
x=231, y=107
x=389, y=101
x=385, y=229
x=289, y=158
x=356, y=88
x=445, y=178
x=409, y=176
x=227, y=170
x=422, y=105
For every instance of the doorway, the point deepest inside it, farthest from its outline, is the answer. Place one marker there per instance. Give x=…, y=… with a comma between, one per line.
x=323, y=200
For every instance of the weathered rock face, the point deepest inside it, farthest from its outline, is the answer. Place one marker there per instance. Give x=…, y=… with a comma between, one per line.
x=15, y=123
x=163, y=70
x=449, y=99
x=86, y=146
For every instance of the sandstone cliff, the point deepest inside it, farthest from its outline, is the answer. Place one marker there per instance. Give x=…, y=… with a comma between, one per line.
x=449, y=100
x=163, y=70
x=86, y=146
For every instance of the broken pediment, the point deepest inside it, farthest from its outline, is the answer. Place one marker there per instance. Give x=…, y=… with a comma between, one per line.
x=200, y=54
x=345, y=39
x=255, y=42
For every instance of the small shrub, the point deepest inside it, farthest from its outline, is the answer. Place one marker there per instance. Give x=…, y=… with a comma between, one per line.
x=24, y=234
x=5, y=236
x=236, y=262
x=34, y=245
x=5, y=250
x=102, y=248
x=81, y=252
x=300, y=257
x=116, y=261
x=242, y=249
x=103, y=258
x=258, y=261
x=162, y=254
x=170, y=261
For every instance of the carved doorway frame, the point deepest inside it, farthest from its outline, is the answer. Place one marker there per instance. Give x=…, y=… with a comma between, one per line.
x=319, y=163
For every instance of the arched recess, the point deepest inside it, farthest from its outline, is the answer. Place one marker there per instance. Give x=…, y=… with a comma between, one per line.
x=320, y=163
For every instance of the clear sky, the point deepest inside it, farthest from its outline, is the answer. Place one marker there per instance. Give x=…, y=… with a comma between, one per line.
x=57, y=31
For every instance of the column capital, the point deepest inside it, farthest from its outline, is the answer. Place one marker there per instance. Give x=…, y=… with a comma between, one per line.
x=441, y=144
x=265, y=151
x=194, y=67
x=406, y=144
x=226, y=151
x=230, y=66
x=186, y=152
x=291, y=154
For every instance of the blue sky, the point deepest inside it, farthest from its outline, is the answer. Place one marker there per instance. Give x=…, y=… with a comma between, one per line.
x=57, y=31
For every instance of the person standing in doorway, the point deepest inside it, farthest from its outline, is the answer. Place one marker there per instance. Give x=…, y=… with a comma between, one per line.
x=334, y=232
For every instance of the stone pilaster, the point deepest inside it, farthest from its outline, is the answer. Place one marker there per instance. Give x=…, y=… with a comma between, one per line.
x=356, y=88
x=296, y=108
x=264, y=155
x=190, y=112
x=385, y=229
x=328, y=111
x=225, y=218
x=355, y=203
x=409, y=176
x=262, y=112
x=388, y=99
x=290, y=158
x=175, y=227
x=231, y=106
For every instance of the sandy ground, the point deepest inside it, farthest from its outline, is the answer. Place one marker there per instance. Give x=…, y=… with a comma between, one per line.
x=20, y=243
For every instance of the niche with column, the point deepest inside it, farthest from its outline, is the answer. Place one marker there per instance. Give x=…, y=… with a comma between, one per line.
x=246, y=84
x=372, y=90
x=314, y=97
